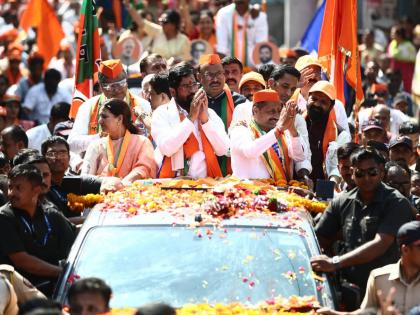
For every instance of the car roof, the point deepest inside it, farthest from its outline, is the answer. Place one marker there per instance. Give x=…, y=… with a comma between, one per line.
x=294, y=220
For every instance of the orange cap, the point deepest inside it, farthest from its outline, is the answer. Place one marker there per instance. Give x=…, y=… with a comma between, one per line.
x=9, y=35
x=306, y=61
x=111, y=68
x=15, y=46
x=378, y=87
x=324, y=87
x=266, y=96
x=3, y=111
x=211, y=59
x=287, y=53
x=252, y=76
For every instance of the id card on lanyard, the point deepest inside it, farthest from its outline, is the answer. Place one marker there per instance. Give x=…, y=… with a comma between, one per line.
x=29, y=227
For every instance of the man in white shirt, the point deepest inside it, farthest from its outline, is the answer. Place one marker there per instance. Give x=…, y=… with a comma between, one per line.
x=232, y=21
x=113, y=82
x=284, y=80
x=188, y=135
x=310, y=69
x=37, y=135
x=267, y=146
x=42, y=96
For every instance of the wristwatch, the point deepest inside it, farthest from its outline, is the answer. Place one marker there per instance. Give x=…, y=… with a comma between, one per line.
x=336, y=262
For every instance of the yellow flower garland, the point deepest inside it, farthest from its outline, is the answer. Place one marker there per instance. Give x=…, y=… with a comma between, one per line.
x=78, y=203
x=279, y=306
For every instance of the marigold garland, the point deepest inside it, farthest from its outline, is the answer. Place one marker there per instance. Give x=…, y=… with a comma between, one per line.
x=78, y=203
x=278, y=306
x=228, y=199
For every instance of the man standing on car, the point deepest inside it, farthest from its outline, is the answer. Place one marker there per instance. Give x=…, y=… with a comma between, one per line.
x=188, y=134
x=366, y=218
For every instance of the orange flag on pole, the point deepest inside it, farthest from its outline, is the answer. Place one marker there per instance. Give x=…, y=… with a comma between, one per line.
x=338, y=49
x=40, y=15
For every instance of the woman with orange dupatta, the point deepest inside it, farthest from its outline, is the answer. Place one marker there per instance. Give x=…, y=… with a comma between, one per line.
x=121, y=152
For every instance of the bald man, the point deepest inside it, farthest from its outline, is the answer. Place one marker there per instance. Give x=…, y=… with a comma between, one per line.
x=390, y=119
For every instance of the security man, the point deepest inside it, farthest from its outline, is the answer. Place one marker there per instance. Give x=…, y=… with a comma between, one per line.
x=24, y=290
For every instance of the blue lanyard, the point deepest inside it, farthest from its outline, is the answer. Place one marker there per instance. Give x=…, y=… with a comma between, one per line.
x=31, y=229
x=58, y=195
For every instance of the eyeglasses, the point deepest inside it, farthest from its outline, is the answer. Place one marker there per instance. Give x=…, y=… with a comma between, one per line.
x=191, y=86
x=371, y=172
x=114, y=85
x=57, y=154
x=211, y=76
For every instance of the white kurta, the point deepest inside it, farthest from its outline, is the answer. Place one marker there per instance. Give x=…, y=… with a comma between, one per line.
x=257, y=31
x=79, y=138
x=243, y=112
x=247, y=153
x=170, y=134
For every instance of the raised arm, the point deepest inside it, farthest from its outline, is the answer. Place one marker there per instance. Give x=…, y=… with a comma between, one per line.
x=186, y=17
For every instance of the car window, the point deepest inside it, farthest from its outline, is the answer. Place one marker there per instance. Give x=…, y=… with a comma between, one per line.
x=180, y=265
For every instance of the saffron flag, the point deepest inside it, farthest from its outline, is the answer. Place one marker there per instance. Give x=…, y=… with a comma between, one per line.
x=310, y=38
x=40, y=15
x=88, y=56
x=338, y=49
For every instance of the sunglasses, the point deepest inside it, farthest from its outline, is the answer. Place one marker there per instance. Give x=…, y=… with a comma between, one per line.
x=371, y=172
x=114, y=85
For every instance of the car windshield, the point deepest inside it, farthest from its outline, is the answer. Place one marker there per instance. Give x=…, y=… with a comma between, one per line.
x=180, y=265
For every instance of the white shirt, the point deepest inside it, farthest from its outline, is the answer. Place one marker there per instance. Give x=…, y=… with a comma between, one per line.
x=257, y=31
x=38, y=102
x=247, y=153
x=79, y=137
x=37, y=135
x=170, y=134
x=243, y=112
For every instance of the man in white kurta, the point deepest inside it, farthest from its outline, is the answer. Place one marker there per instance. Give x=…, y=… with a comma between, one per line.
x=113, y=82
x=186, y=114
x=311, y=69
x=247, y=150
x=284, y=81
x=257, y=30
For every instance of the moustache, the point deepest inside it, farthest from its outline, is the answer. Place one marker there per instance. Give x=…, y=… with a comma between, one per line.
x=231, y=81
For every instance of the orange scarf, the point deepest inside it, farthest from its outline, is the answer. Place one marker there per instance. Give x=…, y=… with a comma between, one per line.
x=243, y=54
x=330, y=133
x=13, y=79
x=227, y=112
x=190, y=147
x=115, y=166
x=94, y=127
x=279, y=166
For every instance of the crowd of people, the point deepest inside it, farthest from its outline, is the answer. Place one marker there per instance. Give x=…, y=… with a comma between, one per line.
x=175, y=112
